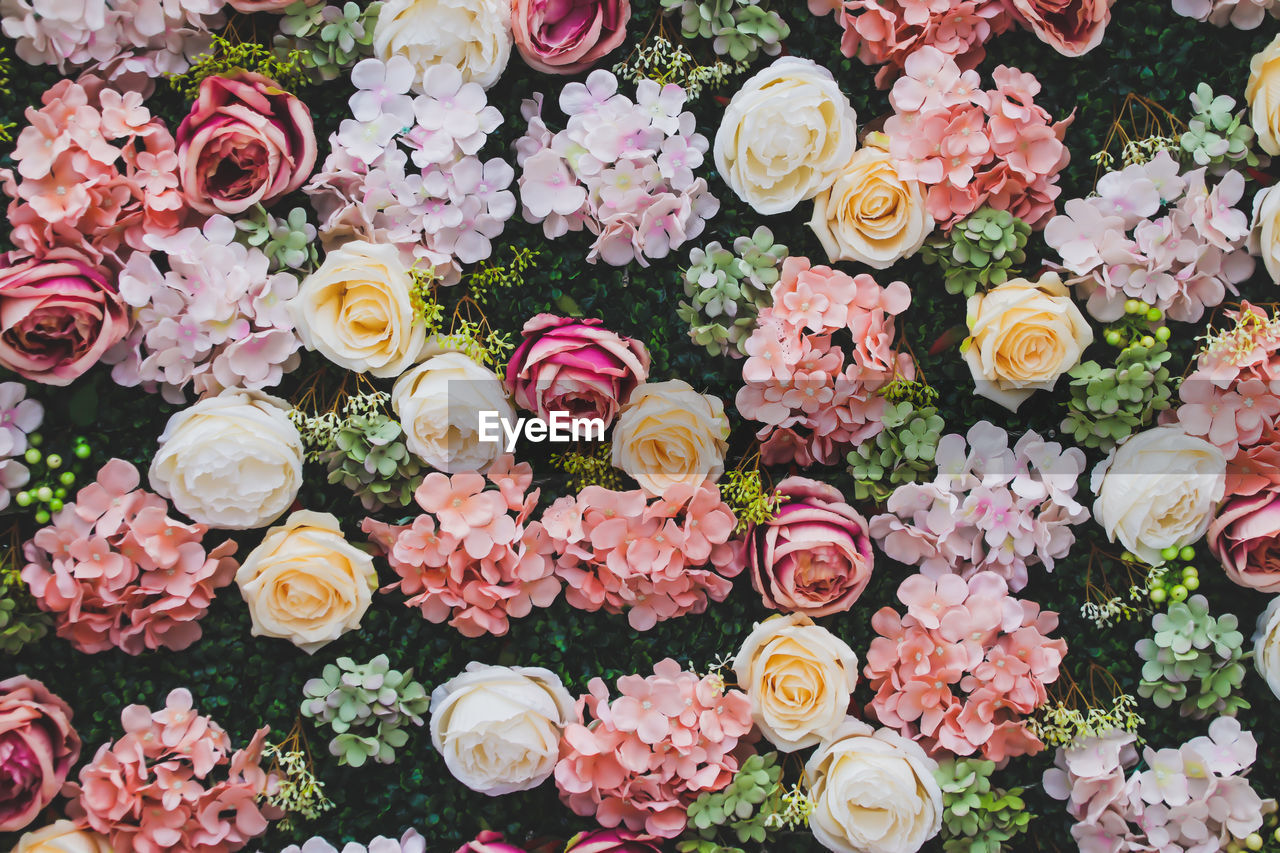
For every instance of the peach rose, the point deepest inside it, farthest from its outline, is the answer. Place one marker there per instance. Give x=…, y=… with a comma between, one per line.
x=568, y=36
x=668, y=434
x=63, y=836
x=1263, y=94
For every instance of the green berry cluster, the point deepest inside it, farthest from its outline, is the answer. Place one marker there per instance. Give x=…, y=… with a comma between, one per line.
x=739, y=29
x=370, y=458
x=592, y=466
x=1267, y=839
x=368, y=707
x=1216, y=136
x=743, y=807
x=289, y=243
x=52, y=476
x=226, y=57
x=1167, y=582
x=727, y=289
x=324, y=40
x=902, y=452
x=491, y=277
x=743, y=490
x=977, y=818
x=1194, y=659
x=980, y=252
x=1109, y=403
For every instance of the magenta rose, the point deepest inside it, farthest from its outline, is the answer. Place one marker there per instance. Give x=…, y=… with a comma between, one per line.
x=574, y=366
x=493, y=842
x=245, y=141
x=614, y=841
x=249, y=7
x=1246, y=538
x=1071, y=27
x=37, y=748
x=815, y=556
x=568, y=36
x=58, y=315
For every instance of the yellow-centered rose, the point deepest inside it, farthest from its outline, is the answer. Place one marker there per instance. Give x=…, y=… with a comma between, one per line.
x=1264, y=239
x=62, y=837
x=1263, y=95
x=668, y=433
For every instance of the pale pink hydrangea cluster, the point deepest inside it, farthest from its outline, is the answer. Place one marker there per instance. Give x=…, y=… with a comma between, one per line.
x=217, y=318
x=646, y=755
x=973, y=148
x=990, y=508
x=154, y=790
x=19, y=417
x=815, y=398
x=1192, y=799
x=965, y=665
x=622, y=169
x=117, y=572
x=1241, y=14
x=96, y=173
x=652, y=558
x=1174, y=241
x=473, y=557
x=445, y=206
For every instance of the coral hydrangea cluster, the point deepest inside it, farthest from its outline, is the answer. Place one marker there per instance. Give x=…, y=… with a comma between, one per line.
x=641, y=759
x=473, y=557
x=621, y=169
x=117, y=571
x=19, y=417
x=972, y=147
x=961, y=670
x=991, y=507
x=815, y=398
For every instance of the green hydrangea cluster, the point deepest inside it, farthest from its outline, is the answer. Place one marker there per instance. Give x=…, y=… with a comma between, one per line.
x=742, y=808
x=368, y=707
x=977, y=818
x=901, y=453
x=1194, y=659
x=739, y=29
x=1109, y=403
x=20, y=621
x=1216, y=136
x=980, y=252
x=289, y=243
x=327, y=39
x=727, y=289
x=371, y=459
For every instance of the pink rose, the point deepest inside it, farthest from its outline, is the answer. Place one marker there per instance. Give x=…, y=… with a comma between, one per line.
x=245, y=141
x=574, y=366
x=568, y=36
x=58, y=315
x=248, y=7
x=1071, y=27
x=37, y=748
x=1246, y=538
x=489, y=841
x=614, y=841
x=815, y=556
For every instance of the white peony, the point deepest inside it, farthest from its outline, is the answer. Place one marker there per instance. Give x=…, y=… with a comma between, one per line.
x=1266, y=646
x=474, y=36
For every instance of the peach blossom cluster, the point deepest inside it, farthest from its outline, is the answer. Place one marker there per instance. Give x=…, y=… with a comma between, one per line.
x=646, y=755
x=960, y=670
x=153, y=789
x=652, y=558
x=117, y=571
x=815, y=398
x=473, y=557
x=971, y=147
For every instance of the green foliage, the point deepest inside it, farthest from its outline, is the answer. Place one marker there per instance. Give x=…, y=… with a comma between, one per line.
x=289, y=243
x=1216, y=136
x=980, y=252
x=1194, y=659
x=744, y=806
x=743, y=490
x=21, y=622
x=1110, y=403
x=496, y=277
x=371, y=459
x=740, y=29
x=902, y=452
x=663, y=62
x=6, y=127
x=368, y=707
x=226, y=58
x=727, y=289
x=977, y=817
x=298, y=792
x=592, y=466
x=325, y=40
x=1058, y=724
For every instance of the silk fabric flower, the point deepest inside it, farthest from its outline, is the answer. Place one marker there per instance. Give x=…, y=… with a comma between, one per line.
x=568, y=36
x=38, y=746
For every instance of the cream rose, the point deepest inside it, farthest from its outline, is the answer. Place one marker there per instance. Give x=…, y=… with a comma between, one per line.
x=499, y=727
x=1264, y=239
x=62, y=837
x=668, y=433
x=1023, y=335
x=474, y=36
x=232, y=461
x=1263, y=94
x=873, y=792
x=305, y=583
x=785, y=136
x=1158, y=490
x=439, y=404
x=1266, y=646
x=357, y=310
x=799, y=676
x=870, y=215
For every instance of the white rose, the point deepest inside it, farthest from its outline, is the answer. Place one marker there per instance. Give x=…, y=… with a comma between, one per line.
x=1262, y=93
x=873, y=792
x=1158, y=490
x=799, y=676
x=439, y=404
x=1264, y=239
x=474, y=36
x=786, y=135
x=232, y=461
x=499, y=727
x=668, y=433
x=357, y=310
x=1266, y=646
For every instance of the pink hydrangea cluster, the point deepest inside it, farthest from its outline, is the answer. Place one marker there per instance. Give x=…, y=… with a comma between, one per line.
x=96, y=173
x=1174, y=241
x=622, y=169
x=19, y=417
x=1192, y=799
x=973, y=148
x=815, y=398
x=216, y=318
x=117, y=572
x=447, y=206
x=473, y=557
x=990, y=508
x=154, y=790
x=963, y=667
x=652, y=558
x=646, y=755
x=1241, y=14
